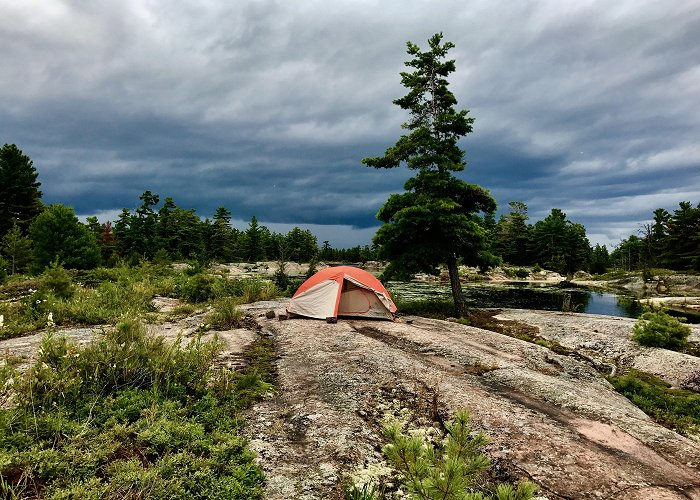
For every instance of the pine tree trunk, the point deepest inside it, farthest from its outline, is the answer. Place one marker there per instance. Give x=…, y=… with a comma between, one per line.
x=456, y=285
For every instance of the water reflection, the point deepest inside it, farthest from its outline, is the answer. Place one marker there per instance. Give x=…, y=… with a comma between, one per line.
x=526, y=296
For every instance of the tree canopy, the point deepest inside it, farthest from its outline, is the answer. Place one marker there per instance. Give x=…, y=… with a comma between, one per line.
x=436, y=220
x=57, y=235
x=20, y=198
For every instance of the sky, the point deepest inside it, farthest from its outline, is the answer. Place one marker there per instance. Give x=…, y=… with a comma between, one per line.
x=267, y=107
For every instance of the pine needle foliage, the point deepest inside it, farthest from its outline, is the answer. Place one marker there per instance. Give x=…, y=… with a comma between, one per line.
x=659, y=329
x=449, y=470
x=436, y=220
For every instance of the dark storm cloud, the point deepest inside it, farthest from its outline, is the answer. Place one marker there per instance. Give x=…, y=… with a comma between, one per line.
x=267, y=107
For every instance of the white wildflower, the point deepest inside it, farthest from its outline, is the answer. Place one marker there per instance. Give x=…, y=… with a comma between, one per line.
x=49, y=321
x=2, y=321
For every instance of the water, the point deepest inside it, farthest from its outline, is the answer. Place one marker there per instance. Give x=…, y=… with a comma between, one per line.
x=525, y=296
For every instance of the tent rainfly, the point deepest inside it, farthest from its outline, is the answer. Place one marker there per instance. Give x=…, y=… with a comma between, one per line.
x=342, y=291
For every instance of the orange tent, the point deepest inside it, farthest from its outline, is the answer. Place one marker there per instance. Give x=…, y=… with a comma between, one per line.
x=342, y=291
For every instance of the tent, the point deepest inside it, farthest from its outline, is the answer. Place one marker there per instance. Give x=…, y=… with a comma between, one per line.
x=342, y=291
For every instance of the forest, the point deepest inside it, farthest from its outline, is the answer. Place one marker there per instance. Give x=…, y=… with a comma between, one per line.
x=33, y=235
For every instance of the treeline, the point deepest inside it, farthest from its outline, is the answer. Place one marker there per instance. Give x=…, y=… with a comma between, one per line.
x=33, y=236
x=554, y=243
x=170, y=232
x=157, y=232
x=671, y=240
x=174, y=233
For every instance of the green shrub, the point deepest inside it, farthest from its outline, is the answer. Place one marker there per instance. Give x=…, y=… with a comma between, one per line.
x=674, y=408
x=280, y=278
x=57, y=281
x=536, y=268
x=659, y=329
x=522, y=273
x=430, y=308
x=252, y=289
x=225, y=314
x=127, y=416
x=518, y=272
x=448, y=470
x=197, y=288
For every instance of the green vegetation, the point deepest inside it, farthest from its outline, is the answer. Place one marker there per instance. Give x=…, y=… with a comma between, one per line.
x=671, y=241
x=128, y=416
x=17, y=250
x=436, y=220
x=448, y=469
x=674, y=408
x=517, y=272
x=225, y=314
x=56, y=234
x=555, y=241
x=432, y=308
x=20, y=198
x=434, y=201
x=110, y=294
x=659, y=329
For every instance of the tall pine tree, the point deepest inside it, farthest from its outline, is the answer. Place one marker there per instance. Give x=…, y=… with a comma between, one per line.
x=20, y=198
x=436, y=220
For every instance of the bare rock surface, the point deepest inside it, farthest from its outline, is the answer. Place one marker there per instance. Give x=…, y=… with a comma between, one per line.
x=550, y=417
x=25, y=347
x=235, y=340
x=608, y=339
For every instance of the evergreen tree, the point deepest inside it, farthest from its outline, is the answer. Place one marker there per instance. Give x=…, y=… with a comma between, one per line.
x=682, y=244
x=327, y=252
x=436, y=220
x=221, y=240
x=124, y=234
x=302, y=245
x=560, y=244
x=186, y=231
x=512, y=235
x=629, y=254
x=254, y=250
x=145, y=225
x=600, y=259
x=17, y=250
x=20, y=198
x=165, y=238
x=57, y=234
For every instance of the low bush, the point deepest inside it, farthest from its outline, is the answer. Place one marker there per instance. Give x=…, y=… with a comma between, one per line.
x=225, y=314
x=659, y=329
x=450, y=469
x=674, y=408
x=247, y=290
x=522, y=273
x=128, y=416
x=518, y=272
x=431, y=308
x=197, y=288
x=57, y=281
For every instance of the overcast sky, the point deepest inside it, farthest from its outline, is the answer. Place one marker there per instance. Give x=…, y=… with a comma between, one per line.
x=267, y=107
